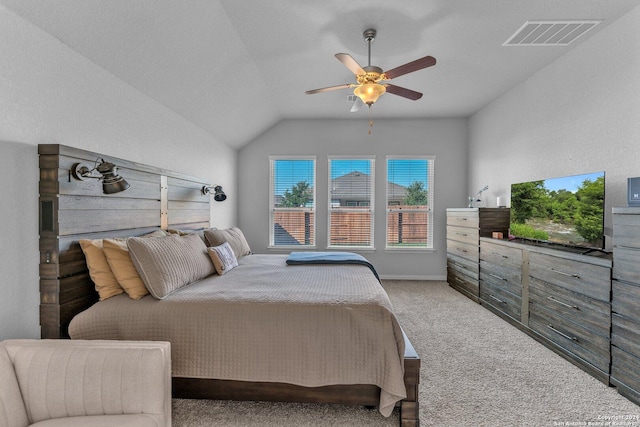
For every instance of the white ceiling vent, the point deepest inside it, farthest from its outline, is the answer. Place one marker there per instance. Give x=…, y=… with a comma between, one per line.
x=549, y=33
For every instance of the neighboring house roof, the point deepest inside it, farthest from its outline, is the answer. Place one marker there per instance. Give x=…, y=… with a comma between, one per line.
x=355, y=186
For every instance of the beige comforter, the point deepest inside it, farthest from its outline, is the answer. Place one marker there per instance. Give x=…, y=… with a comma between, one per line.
x=265, y=321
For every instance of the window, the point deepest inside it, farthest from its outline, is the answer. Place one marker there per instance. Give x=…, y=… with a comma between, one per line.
x=351, y=190
x=292, y=202
x=409, y=202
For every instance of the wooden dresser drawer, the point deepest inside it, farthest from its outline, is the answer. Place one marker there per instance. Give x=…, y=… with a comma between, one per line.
x=582, y=277
x=625, y=334
x=463, y=218
x=625, y=368
x=463, y=266
x=501, y=254
x=464, y=250
x=626, y=299
x=501, y=299
x=626, y=265
x=577, y=339
x=463, y=283
x=463, y=234
x=578, y=308
x=626, y=230
x=502, y=276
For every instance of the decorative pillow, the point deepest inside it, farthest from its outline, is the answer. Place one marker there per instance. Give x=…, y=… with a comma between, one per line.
x=233, y=236
x=106, y=283
x=199, y=232
x=165, y=265
x=223, y=258
x=119, y=260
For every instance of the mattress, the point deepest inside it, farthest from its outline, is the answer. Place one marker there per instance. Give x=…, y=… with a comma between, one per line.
x=266, y=321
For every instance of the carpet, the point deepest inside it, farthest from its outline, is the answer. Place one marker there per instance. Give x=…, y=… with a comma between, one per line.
x=477, y=370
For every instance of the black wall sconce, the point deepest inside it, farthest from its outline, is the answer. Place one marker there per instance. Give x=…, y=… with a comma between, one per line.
x=111, y=181
x=218, y=194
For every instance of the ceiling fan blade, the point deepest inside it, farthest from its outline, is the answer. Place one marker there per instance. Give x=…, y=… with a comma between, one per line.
x=328, y=89
x=410, y=67
x=350, y=63
x=405, y=93
x=357, y=103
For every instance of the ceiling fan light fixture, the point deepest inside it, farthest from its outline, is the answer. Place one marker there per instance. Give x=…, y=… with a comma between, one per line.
x=370, y=92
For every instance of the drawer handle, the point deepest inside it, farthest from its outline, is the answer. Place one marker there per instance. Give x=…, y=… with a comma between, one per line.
x=459, y=265
x=497, y=299
x=462, y=234
x=462, y=250
x=499, y=254
x=574, y=275
x=459, y=280
x=497, y=277
x=575, y=307
x=563, y=334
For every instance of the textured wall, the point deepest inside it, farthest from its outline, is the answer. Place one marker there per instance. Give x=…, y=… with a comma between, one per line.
x=50, y=94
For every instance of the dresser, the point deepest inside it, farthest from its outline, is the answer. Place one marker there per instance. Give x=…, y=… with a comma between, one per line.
x=625, y=303
x=504, y=272
x=465, y=226
x=569, y=306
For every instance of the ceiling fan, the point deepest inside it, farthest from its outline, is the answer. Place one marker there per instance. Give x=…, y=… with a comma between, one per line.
x=370, y=79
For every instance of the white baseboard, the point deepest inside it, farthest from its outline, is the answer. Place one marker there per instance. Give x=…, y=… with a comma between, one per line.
x=412, y=277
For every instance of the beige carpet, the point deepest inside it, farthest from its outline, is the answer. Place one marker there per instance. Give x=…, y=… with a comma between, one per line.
x=477, y=370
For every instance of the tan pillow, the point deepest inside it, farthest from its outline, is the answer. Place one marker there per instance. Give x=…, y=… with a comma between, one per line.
x=119, y=260
x=223, y=258
x=165, y=265
x=233, y=236
x=106, y=283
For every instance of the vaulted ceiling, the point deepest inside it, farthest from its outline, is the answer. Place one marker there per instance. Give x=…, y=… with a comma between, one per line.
x=237, y=67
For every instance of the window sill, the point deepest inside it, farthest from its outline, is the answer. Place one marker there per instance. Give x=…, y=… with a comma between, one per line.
x=410, y=250
x=350, y=248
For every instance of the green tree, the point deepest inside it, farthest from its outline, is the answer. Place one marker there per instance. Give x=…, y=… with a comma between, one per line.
x=526, y=200
x=300, y=194
x=416, y=194
x=588, y=218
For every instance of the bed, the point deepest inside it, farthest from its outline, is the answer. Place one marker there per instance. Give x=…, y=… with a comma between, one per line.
x=315, y=358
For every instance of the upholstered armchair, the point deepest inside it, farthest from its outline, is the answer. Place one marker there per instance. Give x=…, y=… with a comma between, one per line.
x=52, y=383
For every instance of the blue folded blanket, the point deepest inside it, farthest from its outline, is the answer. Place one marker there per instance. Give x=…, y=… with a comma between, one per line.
x=301, y=258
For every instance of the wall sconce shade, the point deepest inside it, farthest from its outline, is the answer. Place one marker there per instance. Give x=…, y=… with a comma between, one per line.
x=111, y=181
x=218, y=194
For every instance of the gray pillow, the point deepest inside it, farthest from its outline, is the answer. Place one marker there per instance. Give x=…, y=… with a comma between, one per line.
x=168, y=263
x=233, y=236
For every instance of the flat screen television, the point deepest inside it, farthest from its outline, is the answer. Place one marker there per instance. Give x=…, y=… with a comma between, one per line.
x=565, y=211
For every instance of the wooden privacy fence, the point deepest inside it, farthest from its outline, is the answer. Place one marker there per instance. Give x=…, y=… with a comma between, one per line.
x=352, y=227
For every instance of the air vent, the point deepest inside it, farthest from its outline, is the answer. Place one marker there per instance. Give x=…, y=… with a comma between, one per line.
x=549, y=33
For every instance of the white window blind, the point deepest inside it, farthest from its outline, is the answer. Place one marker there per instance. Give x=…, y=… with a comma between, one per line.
x=409, y=202
x=351, y=202
x=292, y=201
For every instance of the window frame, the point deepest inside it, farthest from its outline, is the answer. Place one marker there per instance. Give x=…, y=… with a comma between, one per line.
x=272, y=208
x=370, y=208
x=389, y=209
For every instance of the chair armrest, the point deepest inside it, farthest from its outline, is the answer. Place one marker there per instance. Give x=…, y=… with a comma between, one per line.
x=63, y=378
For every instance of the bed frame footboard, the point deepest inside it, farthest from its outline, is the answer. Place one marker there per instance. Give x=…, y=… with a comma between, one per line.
x=358, y=394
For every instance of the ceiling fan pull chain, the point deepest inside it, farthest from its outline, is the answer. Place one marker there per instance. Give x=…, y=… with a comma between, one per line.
x=370, y=120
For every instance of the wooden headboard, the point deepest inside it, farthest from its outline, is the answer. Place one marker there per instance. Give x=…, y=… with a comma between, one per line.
x=71, y=210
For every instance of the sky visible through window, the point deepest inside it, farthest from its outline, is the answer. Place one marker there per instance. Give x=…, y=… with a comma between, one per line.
x=294, y=171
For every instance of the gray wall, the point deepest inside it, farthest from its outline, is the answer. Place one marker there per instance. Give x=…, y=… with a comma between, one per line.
x=579, y=114
x=50, y=94
x=444, y=138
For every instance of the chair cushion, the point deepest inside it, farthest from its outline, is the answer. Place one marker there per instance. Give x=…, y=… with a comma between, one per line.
x=62, y=378
x=12, y=410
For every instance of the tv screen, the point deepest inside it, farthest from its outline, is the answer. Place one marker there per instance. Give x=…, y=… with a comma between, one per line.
x=566, y=211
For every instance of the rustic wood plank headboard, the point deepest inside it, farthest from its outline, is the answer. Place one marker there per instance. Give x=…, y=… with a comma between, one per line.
x=71, y=210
